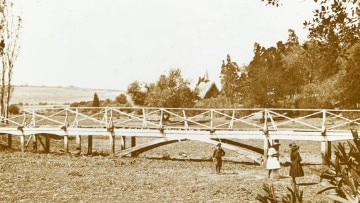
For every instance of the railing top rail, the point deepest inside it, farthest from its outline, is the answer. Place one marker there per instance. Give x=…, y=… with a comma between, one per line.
x=185, y=108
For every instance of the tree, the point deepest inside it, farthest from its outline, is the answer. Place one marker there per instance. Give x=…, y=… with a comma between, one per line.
x=170, y=91
x=96, y=101
x=264, y=76
x=230, y=79
x=137, y=95
x=10, y=26
x=351, y=82
x=121, y=99
x=335, y=21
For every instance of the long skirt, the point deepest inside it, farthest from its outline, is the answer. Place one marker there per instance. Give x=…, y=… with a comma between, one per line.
x=296, y=169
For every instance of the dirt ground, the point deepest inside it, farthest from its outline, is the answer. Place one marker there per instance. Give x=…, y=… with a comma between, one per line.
x=187, y=176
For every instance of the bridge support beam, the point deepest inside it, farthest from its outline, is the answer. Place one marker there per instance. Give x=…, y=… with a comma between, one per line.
x=90, y=139
x=325, y=152
x=9, y=138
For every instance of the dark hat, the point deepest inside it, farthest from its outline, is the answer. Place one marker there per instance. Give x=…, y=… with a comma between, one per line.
x=293, y=146
x=276, y=143
x=219, y=144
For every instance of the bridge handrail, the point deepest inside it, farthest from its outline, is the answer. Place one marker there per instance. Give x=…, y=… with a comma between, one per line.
x=321, y=120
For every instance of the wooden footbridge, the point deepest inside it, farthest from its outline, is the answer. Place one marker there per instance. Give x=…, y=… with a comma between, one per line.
x=169, y=125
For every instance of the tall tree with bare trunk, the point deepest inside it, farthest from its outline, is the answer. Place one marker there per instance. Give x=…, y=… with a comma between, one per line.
x=10, y=26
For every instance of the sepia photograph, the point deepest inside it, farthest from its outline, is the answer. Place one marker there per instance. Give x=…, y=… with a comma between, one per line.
x=205, y=101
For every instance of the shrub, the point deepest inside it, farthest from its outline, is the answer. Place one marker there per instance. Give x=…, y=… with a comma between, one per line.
x=344, y=174
x=14, y=109
x=294, y=196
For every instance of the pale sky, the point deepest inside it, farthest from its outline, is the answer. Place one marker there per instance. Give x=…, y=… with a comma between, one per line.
x=111, y=43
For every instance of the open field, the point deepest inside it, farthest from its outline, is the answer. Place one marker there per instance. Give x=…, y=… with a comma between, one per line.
x=59, y=95
x=187, y=176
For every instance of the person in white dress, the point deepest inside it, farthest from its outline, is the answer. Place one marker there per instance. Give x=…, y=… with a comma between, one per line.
x=272, y=162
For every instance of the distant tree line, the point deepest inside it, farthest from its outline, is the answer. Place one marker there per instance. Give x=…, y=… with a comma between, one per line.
x=322, y=72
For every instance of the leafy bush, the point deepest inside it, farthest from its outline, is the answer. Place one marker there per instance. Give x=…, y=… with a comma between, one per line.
x=14, y=109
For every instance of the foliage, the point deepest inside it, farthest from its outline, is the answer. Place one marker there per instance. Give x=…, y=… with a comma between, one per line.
x=350, y=81
x=14, y=109
x=230, y=79
x=171, y=91
x=121, y=99
x=96, y=100
x=264, y=78
x=218, y=102
x=344, y=172
x=82, y=104
x=136, y=93
x=293, y=196
x=335, y=21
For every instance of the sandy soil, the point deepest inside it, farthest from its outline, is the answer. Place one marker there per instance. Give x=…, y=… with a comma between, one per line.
x=188, y=176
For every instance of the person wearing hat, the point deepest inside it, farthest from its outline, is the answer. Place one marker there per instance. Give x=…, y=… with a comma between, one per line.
x=217, y=157
x=296, y=169
x=272, y=162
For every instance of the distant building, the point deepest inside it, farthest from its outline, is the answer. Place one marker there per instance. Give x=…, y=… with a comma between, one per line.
x=206, y=88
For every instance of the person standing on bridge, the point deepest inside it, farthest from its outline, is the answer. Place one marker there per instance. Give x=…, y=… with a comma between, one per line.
x=273, y=162
x=217, y=157
x=296, y=169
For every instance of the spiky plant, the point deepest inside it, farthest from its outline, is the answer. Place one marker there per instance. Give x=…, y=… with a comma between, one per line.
x=295, y=195
x=270, y=194
x=343, y=173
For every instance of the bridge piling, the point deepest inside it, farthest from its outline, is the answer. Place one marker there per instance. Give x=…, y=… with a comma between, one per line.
x=9, y=138
x=66, y=144
x=122, y=142
x=112, y=144
x=325, y=147
x=35, y=143
x=89, y=151
x=22, y=143
x=47, y=144
x=133, y=144
x=78, y=142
